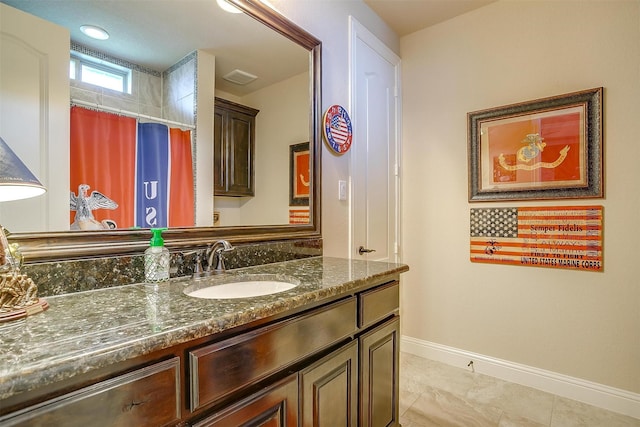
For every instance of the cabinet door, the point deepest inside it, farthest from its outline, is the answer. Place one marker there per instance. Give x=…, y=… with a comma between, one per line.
x=275, y=406
x=329, y=390
x=240, y=151
x=219, y=152
x=379, y=380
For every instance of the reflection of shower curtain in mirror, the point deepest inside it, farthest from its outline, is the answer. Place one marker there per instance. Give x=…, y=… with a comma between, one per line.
x=106, y=151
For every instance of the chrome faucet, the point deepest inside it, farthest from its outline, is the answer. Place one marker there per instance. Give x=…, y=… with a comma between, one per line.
x=215, y=259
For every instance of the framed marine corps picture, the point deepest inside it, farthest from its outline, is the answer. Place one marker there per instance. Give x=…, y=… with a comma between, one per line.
x=549, y=148
x=299, y=174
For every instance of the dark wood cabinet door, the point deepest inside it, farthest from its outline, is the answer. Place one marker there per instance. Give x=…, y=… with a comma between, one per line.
x=275, y=406
x=329, y=390
x=241, y=154
x=379, y=380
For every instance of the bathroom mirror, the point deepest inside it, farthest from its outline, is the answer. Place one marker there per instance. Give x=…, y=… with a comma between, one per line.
x=59, y=245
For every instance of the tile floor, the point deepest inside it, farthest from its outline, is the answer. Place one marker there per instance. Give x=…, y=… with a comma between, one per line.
x=436, y=394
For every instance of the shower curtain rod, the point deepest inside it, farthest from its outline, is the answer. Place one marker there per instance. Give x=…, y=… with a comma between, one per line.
x=128, y=113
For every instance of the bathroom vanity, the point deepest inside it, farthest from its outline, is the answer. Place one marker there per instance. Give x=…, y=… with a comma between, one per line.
x=322, y=353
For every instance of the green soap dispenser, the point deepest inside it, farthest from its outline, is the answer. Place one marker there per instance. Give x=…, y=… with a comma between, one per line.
x=156, y=258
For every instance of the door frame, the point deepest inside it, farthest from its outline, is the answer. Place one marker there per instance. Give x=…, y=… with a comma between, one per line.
x=359, y=31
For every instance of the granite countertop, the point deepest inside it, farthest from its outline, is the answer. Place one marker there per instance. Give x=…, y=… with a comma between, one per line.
x=88, y=330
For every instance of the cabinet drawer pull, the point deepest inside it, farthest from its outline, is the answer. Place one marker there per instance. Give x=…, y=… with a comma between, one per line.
x=132, y=405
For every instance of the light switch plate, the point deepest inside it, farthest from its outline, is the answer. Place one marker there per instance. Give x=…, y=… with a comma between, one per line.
x=342, y=190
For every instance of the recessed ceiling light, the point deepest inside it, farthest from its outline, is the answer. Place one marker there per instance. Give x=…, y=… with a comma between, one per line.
x=228, y=7
x=94, y=32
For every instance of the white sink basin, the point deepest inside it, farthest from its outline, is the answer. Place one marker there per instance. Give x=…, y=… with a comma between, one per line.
x=243, y=289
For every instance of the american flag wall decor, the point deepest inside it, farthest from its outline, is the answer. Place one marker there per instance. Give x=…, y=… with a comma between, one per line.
x=556, y=237
x=337, y=129
x=299, y=215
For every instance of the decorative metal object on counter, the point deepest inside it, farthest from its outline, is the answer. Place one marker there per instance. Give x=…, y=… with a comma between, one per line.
x=18, y=293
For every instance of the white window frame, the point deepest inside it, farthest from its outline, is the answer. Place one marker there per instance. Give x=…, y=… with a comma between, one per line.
x=78, y=61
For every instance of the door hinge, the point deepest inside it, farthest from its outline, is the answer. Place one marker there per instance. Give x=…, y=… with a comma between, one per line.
x=396, y=169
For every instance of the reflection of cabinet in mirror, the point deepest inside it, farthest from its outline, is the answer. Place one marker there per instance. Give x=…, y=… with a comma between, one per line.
x=234, y=149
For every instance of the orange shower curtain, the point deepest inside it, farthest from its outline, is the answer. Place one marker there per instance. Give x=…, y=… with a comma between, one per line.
x=103, y=152
x=181, y=197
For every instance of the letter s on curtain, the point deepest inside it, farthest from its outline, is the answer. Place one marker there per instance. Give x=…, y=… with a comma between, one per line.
x=164, y=177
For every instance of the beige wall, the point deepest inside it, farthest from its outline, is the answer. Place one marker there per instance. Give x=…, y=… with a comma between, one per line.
x=581, y=324
x=280, y=123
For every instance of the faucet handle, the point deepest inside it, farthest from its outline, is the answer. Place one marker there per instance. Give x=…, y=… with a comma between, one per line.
x=197, y=265
x=217, y=257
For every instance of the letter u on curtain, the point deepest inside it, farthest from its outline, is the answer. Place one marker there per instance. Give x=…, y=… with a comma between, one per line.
x=164, y=177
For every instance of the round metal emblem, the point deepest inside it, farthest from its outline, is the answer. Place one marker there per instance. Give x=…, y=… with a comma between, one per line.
x=337, y=129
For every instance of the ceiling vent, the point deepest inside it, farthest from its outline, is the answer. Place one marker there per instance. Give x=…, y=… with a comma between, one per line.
x=240, y=77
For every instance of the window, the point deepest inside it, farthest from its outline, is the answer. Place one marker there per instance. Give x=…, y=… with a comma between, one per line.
x=99, y=72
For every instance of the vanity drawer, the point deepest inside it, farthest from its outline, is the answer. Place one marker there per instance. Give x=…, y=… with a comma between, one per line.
x=224, y=367
x=149, y=396
x=378, y=303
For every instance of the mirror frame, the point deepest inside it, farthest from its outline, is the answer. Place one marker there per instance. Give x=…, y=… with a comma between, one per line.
x=67, y=245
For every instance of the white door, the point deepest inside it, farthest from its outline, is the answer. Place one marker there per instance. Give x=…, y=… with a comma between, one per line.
x=34, y=116
x=375, y=182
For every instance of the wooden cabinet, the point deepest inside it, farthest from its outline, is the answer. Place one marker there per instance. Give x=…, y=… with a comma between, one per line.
x=335, y=364
x=221, y=368
x=379, y=375
x=234, y=149
x=149, y=396
x=329, y=390
x=379, y=346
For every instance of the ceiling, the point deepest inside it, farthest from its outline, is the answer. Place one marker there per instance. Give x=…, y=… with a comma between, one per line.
x=408, y=16
x=159, y=36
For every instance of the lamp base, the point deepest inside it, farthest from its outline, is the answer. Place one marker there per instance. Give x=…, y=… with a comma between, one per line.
x=18, y=297
x=19, y=313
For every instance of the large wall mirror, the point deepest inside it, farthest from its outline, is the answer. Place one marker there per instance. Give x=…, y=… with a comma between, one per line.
x=159, y=38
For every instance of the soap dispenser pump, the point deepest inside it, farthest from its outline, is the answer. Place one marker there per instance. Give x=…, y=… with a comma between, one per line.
x=156, y=258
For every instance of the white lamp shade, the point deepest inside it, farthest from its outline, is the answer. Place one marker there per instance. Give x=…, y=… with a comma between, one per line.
x=16, y=180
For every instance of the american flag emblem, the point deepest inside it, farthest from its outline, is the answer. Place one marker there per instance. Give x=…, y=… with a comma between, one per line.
x=558, y=237
x=337, y=129
x=299, y=216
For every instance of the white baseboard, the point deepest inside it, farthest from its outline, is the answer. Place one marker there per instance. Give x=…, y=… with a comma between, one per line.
x=602, y=396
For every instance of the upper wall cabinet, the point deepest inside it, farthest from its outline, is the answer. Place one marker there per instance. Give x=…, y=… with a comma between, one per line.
x=234, y=149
